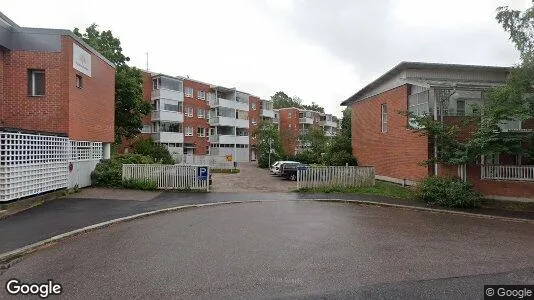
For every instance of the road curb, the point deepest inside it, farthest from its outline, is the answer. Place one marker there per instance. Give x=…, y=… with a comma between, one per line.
x=7, y=257
x=14, y=254
x=429, y=209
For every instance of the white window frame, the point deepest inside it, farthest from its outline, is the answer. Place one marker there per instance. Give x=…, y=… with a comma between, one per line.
x=189, y=111
x=201, y=95
x=253, y=106
x=201, y=131
x=188, y=91
x=32, y=82
x=384, y=118
x=188, y=131
x=199, y=114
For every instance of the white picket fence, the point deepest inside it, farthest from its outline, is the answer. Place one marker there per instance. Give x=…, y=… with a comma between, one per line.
x=312, y=177
x=218, y=162
x=178, y=177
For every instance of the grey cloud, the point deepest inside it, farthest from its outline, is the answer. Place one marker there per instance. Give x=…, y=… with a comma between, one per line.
x=365, y=35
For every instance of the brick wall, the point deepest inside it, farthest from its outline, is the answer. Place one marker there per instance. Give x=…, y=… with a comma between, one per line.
x=201, y=143
x=254, y=114
x=91, y=108
x=83, y=114
x=396, y=153
x=48, y=113
x=289, y=129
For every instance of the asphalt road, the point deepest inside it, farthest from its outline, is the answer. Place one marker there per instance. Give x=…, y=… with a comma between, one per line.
x=287, y=249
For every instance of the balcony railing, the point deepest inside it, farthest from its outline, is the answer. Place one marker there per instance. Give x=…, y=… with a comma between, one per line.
x=521, y=173
x=306, y=120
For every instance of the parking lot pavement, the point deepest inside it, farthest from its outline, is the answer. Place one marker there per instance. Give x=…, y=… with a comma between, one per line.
x=251, y=179
x=287, y=249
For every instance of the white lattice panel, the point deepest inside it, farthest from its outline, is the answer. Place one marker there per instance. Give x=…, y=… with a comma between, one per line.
x=83, y=150
x=31, y=164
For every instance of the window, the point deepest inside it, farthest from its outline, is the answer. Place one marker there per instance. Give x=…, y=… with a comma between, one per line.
x=36, y=82
x=384, y=117
x=253, y=106
x=188, y=92
x=79, y=82
x=201, y=95
x=156, y=82
x=188, y=131
x=201, y=131
x=200, y=113
x=289, y=115
x=146, y=129
x=170, y=107
x=189, y=112
x=460, y=107
x=254, y=121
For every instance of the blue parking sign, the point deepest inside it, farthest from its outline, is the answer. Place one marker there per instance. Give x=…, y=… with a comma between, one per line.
x=202, y=173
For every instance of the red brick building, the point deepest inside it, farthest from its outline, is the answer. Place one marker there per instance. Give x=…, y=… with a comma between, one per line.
x=51, y=81
x=294, y=122
x=191, y=117
x=381, y=134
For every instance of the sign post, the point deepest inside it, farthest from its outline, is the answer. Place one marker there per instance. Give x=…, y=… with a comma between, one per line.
x=203, y=174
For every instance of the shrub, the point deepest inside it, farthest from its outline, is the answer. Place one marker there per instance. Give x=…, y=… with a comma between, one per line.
x=447, y=192
x=138, y=184
x=340, y=158
x=108, y=172
x=157, y=151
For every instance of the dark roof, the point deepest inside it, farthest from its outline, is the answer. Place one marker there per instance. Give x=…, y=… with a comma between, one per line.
x=418, y=65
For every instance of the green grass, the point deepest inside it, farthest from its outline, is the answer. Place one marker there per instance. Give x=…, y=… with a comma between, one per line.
x=225, y=171
x=381, y=188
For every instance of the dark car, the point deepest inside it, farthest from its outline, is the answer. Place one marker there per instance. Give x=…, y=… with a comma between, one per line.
x=289, y=170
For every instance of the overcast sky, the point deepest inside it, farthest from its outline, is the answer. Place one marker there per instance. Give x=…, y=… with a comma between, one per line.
x=319, y=50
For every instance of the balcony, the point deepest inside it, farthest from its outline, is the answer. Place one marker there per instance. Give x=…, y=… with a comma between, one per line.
x=306, y=120
x=220, y=102
x=166, y=115
x=168, y=137
x=226, y=121
x=329, y=124
x=519, y=173
x=268, y=113
x=276, y=120
x=229, y=139
x=167, y=94
x=329, y=133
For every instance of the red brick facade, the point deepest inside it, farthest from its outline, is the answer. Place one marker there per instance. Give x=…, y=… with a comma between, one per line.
x=254, y=117
x=82, y=114
x=289, y=129
x=396, y=153
x=201, y=144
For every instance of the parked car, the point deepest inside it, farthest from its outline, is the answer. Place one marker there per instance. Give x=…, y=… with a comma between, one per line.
x=289, y=170
x=275, y=168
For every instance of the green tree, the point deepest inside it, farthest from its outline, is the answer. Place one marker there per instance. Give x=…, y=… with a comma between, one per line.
x=316, y=144
x=339, y=152
x=314, y=106
x=282, y=100
x=158, y=152
x=511, y=102
x=268, y=138
x=129, y=104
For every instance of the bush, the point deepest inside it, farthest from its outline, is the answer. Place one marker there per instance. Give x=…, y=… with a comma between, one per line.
x=340, y=158
x=447, y=192
x=157, y=151
x=108, y=172
x=138, y=184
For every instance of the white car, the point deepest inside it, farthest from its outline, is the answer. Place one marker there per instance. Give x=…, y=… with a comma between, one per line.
x=275, y=168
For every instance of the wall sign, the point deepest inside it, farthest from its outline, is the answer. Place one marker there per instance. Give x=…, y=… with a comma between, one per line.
x=81, y=60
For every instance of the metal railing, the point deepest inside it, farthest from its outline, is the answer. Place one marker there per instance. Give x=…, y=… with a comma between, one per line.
x=519, y=173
